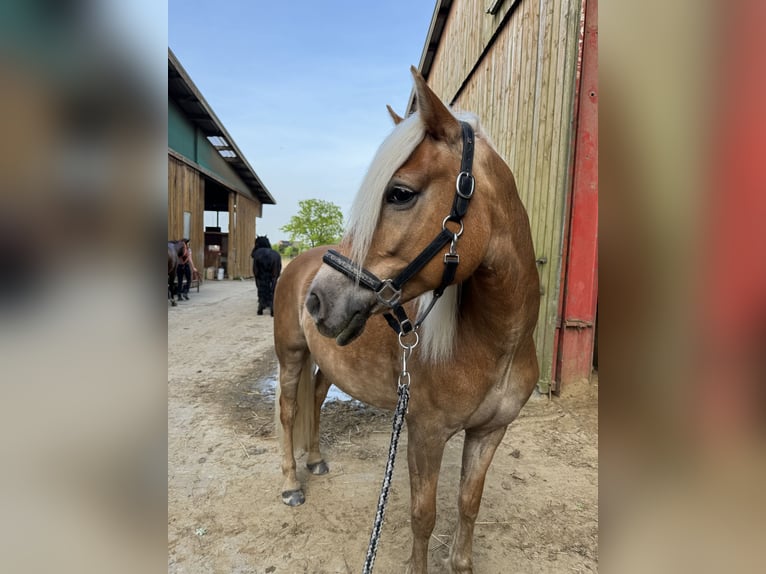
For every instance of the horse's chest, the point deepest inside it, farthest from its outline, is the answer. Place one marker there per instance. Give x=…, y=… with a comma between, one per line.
x=471, y=399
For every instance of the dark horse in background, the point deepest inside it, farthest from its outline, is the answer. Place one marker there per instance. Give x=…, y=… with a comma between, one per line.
x=175, y=251
x=267, y=265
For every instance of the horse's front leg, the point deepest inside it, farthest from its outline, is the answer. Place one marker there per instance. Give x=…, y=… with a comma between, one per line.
x=314, y=461
x=425, y=448
x=478, y=449
x=290, y=370
x=171, y=287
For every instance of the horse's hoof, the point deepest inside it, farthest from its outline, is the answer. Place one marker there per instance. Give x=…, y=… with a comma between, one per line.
x=173, y=303
x=293, y=497
x=318, y=467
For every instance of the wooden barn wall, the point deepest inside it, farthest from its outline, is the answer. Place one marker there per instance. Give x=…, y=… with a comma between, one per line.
x=522, y=90
x=186, y=192
x=467, y=32
x=242, y=230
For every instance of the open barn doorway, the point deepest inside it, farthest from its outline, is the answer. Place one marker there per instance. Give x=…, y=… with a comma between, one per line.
x=216, y=218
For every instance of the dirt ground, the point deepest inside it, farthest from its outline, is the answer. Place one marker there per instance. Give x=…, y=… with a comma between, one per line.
x=539, y=512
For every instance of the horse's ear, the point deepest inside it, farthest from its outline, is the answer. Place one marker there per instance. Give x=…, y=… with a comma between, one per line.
x=394, y=116
x=436, y=117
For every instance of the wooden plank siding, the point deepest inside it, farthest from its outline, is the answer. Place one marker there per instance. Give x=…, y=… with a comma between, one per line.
x=516, y=71
x=186, y=192
x=242, y=231
x=467, y=32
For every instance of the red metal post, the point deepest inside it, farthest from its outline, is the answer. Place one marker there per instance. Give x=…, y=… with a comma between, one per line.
x=574, y=353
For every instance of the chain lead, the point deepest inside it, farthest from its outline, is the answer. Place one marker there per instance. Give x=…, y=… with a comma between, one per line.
x=403, y=390
x=404, y=375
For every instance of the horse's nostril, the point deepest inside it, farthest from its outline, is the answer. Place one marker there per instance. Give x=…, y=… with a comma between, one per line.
x=313, y=304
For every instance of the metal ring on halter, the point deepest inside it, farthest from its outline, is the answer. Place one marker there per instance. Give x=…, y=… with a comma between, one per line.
x=404, y=345
x=444, y=226
x=460, y=176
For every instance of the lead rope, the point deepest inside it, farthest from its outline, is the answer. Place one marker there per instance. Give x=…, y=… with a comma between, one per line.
x=403, y=390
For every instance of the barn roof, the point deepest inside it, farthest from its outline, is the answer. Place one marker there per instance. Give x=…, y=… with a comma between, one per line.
x=435, y=30
x=441, y=11
x=187, y=96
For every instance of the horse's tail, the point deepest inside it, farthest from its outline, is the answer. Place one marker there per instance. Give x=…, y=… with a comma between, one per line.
x=303, y=423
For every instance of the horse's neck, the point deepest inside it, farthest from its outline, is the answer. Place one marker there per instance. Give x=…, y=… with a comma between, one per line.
x=502, y=299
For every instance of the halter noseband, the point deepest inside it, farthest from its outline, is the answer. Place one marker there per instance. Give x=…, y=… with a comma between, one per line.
x=389, y=291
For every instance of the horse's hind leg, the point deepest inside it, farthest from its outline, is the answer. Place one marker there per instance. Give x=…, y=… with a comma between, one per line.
x=478, y=449
x=314, y=462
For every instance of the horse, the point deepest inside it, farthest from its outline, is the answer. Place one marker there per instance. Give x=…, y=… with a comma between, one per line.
x=175, y=251
x=475, y=366
x=267, y=265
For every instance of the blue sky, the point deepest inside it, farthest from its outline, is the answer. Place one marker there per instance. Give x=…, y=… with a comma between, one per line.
x=302, y=86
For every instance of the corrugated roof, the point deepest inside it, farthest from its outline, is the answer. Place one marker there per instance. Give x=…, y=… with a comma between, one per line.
x=188, y=97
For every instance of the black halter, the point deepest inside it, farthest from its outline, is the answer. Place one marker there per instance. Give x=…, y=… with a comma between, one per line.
x=389, y=291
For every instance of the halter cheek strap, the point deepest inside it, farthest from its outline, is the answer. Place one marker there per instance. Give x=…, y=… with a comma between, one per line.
x=389, y=291
x=465, y=183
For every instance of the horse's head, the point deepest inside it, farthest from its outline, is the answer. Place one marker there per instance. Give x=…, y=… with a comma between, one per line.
x=400, y=208
x=262, y=241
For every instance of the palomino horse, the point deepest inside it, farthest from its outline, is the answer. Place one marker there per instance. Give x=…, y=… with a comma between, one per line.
x=475, y=366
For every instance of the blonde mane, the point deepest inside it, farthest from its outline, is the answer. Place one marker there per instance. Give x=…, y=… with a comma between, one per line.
x=438, y=331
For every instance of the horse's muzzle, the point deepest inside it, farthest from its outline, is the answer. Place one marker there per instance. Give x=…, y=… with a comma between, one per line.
x=339, y=308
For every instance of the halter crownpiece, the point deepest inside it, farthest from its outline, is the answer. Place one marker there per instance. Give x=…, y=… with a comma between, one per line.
x=389, y=291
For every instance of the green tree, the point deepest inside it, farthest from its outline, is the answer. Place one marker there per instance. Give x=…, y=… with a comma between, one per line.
x=318, y=222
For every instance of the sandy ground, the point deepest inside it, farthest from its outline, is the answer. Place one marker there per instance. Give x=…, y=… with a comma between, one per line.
x=539, y=511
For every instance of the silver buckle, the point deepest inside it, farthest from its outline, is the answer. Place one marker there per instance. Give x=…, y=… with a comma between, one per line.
x=393, y=299
x=462, y=174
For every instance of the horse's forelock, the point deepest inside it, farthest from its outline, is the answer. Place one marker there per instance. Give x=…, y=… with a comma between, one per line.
x=365, y=210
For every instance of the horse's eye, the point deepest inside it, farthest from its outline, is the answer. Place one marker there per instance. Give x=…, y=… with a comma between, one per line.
x=400, y=195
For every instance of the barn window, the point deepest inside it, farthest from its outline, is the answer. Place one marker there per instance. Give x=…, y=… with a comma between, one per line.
x=187, y=224
x=217, y=141
x=218, y=220
x=222, y=146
